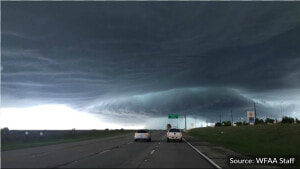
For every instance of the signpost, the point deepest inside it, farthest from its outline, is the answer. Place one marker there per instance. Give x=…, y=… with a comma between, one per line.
x=172, y=116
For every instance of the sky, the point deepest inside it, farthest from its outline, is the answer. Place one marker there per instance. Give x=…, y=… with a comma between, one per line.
x=96, y=65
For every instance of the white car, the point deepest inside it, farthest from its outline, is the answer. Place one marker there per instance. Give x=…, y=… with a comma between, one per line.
x=142, y=135
x=174, y=134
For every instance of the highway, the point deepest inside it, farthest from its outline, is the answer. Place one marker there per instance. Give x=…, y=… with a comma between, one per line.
x=113, y=152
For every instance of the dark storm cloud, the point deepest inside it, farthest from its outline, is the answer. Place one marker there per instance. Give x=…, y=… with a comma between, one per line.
x=190, y=100
x=141, y=54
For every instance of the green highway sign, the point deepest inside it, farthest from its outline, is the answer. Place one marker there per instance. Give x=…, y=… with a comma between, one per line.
x=172, y=116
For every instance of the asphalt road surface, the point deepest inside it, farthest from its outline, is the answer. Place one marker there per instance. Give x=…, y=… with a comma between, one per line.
x=113, y=152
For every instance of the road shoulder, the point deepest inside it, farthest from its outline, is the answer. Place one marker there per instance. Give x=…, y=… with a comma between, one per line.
x=220, y=155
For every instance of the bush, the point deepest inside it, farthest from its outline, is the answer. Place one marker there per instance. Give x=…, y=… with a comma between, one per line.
x=269, y=120
x=239, y=123
x=297, y=121
x=259, y=121
x=227, y=123
x=218, y=124
x=287, y=120
x=245, y=123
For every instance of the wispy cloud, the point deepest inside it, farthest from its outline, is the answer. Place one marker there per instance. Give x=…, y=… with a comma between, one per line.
x=27, y=53
x=21, y=35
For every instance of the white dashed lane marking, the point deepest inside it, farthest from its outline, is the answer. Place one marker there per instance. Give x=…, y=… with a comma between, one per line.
x=104, y=151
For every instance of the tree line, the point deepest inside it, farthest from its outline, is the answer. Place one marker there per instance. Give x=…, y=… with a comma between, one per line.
x=259, y=121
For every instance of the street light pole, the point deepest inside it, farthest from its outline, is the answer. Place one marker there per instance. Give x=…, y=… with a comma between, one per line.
x=185, y=121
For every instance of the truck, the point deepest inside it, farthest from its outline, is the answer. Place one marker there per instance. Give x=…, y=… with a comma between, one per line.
x=174, y=134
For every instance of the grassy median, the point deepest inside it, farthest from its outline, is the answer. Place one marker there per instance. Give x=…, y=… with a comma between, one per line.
x=18, y=144
x=258, y=140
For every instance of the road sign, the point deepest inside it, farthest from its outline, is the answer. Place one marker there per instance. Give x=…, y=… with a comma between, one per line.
x=172, y=116
x=251, y=117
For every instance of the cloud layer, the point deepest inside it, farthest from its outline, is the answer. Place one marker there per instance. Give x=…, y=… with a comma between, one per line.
x=151, y=58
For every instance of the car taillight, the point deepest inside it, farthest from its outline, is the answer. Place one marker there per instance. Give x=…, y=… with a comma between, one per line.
x=180, y=134
x=147, y=134
x=167, y=134
x=136, y=134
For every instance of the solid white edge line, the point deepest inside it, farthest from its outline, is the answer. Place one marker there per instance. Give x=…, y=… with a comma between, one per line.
x=208, y=159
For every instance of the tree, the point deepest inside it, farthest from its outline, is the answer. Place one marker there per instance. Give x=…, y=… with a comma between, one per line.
x=169, y=126
x=227, y=123
x=5, y=130
x=259, y=121
x=218, y=124
x=287, y=120
x=269, y=121
x=245, y=123
x=239, y=123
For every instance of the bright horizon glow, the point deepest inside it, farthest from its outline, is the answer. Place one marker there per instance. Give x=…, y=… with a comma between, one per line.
x=54, y=117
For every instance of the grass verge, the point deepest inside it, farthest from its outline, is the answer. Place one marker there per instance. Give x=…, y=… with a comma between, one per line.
x=19, y=144
x=280, y=140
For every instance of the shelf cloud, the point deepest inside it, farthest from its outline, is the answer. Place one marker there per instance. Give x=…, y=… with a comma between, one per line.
x=130, y=59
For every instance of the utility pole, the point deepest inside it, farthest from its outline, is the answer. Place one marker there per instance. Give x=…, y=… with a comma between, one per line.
x=255, y=109
x=220, y=117
x=231, y=117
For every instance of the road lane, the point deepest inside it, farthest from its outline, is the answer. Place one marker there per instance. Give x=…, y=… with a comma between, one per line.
x=128, y=156
x=175, y=155
x=56, y=155
x=117, y=152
